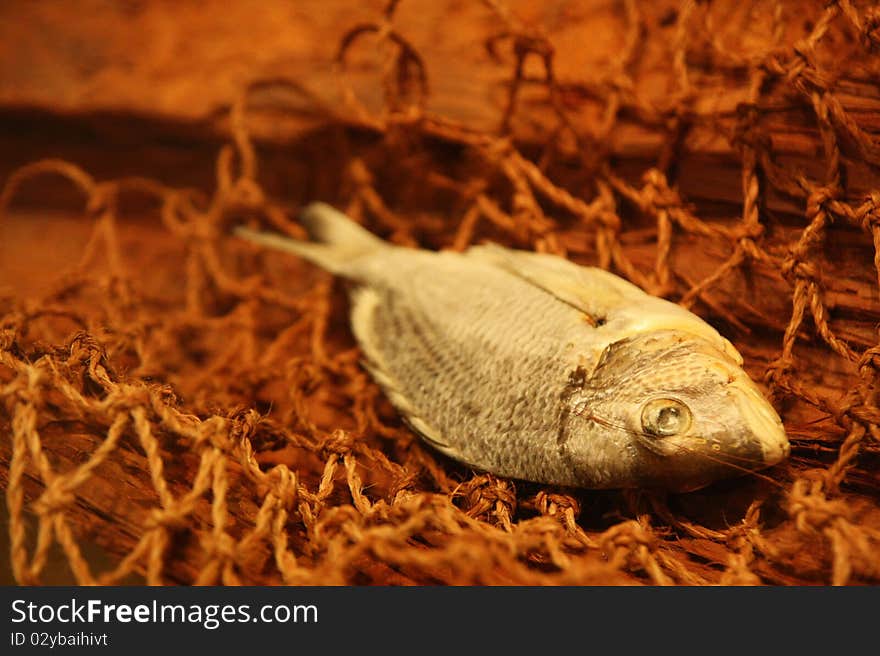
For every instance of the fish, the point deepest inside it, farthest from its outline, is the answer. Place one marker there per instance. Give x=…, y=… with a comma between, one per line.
x=531, y=367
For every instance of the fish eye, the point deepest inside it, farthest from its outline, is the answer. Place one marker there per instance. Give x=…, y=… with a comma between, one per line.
x=665, y=417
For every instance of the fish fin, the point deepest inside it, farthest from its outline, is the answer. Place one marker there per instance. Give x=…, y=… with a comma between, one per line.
x=592, y=291
x=365, y=303
x=337, y=239
x=612, y=303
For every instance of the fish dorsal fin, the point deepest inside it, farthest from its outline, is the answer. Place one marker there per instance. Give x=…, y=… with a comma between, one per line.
x=592, y=291
x=614, y=305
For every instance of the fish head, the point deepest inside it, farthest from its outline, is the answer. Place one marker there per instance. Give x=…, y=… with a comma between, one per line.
x=682, y=411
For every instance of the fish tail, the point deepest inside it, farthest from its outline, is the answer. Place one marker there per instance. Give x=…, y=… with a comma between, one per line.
x=336, y=239
x=327, y=225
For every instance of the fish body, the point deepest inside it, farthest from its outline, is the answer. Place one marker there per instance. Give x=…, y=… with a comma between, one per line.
x=529, y=366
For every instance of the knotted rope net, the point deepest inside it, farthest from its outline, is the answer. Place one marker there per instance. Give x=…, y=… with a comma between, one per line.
x=198, y=410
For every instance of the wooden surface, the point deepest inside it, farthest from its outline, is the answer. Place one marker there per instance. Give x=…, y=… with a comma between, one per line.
x=182, y=64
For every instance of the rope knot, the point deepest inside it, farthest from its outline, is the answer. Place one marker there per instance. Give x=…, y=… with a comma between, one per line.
x=797, y=69
x=869, y=361
x=810, y=507
x=553, y=504
x=7, y=339
x=818, y=198
x=485, y=493
x=656, y=193
x=498, y=149
x=609, y=220
x=869, y=213
x=629, y=535
x=339, y=442
x=85, y=350
x=173, y=519
x=83, y=347
x=54, y=499
x=224, y=547
x=285, y=486
x=202, y=230
x=491, y=489
x=244, y=423
x=794, y=269
x=750, y=248
x=101, y=198
x=248, y=193
x=778, y=372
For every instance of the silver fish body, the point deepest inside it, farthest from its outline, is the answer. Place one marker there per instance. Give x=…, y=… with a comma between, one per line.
x=531, y=367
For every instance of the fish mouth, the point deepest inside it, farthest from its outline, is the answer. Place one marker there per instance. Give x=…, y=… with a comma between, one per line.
x=764, y=431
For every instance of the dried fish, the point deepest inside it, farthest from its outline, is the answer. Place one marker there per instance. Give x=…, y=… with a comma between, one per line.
x=532, y=367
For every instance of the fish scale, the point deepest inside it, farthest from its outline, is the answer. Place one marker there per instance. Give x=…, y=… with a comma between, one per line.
x=489, y=358
x=532, y=367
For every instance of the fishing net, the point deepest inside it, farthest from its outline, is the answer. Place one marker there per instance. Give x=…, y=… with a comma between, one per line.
x=195, y=408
